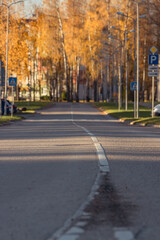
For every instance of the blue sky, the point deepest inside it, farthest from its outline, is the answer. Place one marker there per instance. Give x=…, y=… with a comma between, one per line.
x=30, y=3
x=37, y=2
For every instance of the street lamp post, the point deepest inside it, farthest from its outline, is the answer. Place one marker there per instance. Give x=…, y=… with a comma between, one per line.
x=126, y=56
x=126, y=92
x=126, y=87
x=7, y=34
x=119, y=71
x=137, y=59
x=138, y=85
x=138, y=17
x=0, y=88
x=126, y=83
x=137, y=3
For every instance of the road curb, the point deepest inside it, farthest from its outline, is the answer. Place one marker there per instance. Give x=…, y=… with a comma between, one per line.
x=128, y=122
x=26, y=115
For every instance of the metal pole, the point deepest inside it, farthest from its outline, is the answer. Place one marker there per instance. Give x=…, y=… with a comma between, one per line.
x=0, y=88
x=6, y=70
x=152, y=96
x=135, y=67
x=135, y=113
x=113, y=79
x=126, y=92
x=137, y=60
x=120, y=72
x=119, y=83
x=117, y=78
x=12, y=102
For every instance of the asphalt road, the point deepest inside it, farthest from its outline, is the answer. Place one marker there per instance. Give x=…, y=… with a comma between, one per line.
x=48, y=166
x=131, y=191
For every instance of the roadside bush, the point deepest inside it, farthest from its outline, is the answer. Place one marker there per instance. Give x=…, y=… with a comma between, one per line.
x=64, y=96
x=45, y=98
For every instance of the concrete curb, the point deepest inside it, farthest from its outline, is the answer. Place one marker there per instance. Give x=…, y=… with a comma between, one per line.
x=5, y=124
x=128, y=122
x=25, y=115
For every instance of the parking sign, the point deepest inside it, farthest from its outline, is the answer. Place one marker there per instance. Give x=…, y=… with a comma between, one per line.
x=153, y=59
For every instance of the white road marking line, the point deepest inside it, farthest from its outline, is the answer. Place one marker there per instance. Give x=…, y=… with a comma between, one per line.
x=69, y=237
x=61, y=234
x=81, y=224
x=94, y=139
x=119, y=233
x=72, y=233
x=75, y=231
x=123, y=234
x=103, y=161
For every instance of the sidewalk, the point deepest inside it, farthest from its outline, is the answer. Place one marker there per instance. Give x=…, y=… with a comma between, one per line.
x=145, y=104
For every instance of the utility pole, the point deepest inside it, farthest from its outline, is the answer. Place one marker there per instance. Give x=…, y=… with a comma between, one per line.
x=6, y=70
x=7, y=34
x=0, y=88
x=136, y=66
x=126, y=91
x=137, y=3
x=137, y=59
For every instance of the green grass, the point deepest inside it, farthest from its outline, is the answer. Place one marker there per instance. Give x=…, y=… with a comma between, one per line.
x=146, y=121
x=112, y=109
x=31, y=105
x=144, y=113
x=5, y=119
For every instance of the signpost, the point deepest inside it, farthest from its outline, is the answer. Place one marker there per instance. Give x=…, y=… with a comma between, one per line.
x=153, y=74
x=153, y=70
x=153, y=59
x=2, y=82
x=134, y=88
x=0, y=88
x=12, y=83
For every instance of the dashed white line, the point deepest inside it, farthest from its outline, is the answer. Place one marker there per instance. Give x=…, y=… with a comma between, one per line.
x=123, y=234
x=72, y=231
x=69, y=232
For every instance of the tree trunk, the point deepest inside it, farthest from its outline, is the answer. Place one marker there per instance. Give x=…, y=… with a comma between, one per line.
x=65, y=60
x=71, y=82
x=77, y=90
x=144, y=67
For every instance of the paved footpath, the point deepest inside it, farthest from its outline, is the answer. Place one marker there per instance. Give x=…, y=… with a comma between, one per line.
x=49, y=169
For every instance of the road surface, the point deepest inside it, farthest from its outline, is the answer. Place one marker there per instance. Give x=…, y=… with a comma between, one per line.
x=49, y=163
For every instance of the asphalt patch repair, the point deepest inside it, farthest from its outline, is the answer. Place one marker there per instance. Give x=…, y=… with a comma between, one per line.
x=108, y=207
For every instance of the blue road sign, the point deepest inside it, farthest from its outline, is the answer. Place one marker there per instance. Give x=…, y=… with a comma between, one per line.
x=2, y=80
x=133, y=86
x=153, y=59
x=12, y=81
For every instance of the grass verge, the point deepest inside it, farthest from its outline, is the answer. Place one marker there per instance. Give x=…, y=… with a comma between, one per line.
x=7, y=119
x=148, y=121
x=144, y=113
x=32, y=105
x=30, y=108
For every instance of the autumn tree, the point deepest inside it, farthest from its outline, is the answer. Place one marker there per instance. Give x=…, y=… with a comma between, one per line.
x=17, y=46
x=94, y=39
x=73, y=28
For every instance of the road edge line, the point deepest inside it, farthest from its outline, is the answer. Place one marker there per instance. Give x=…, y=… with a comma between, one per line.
x=70, y=231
